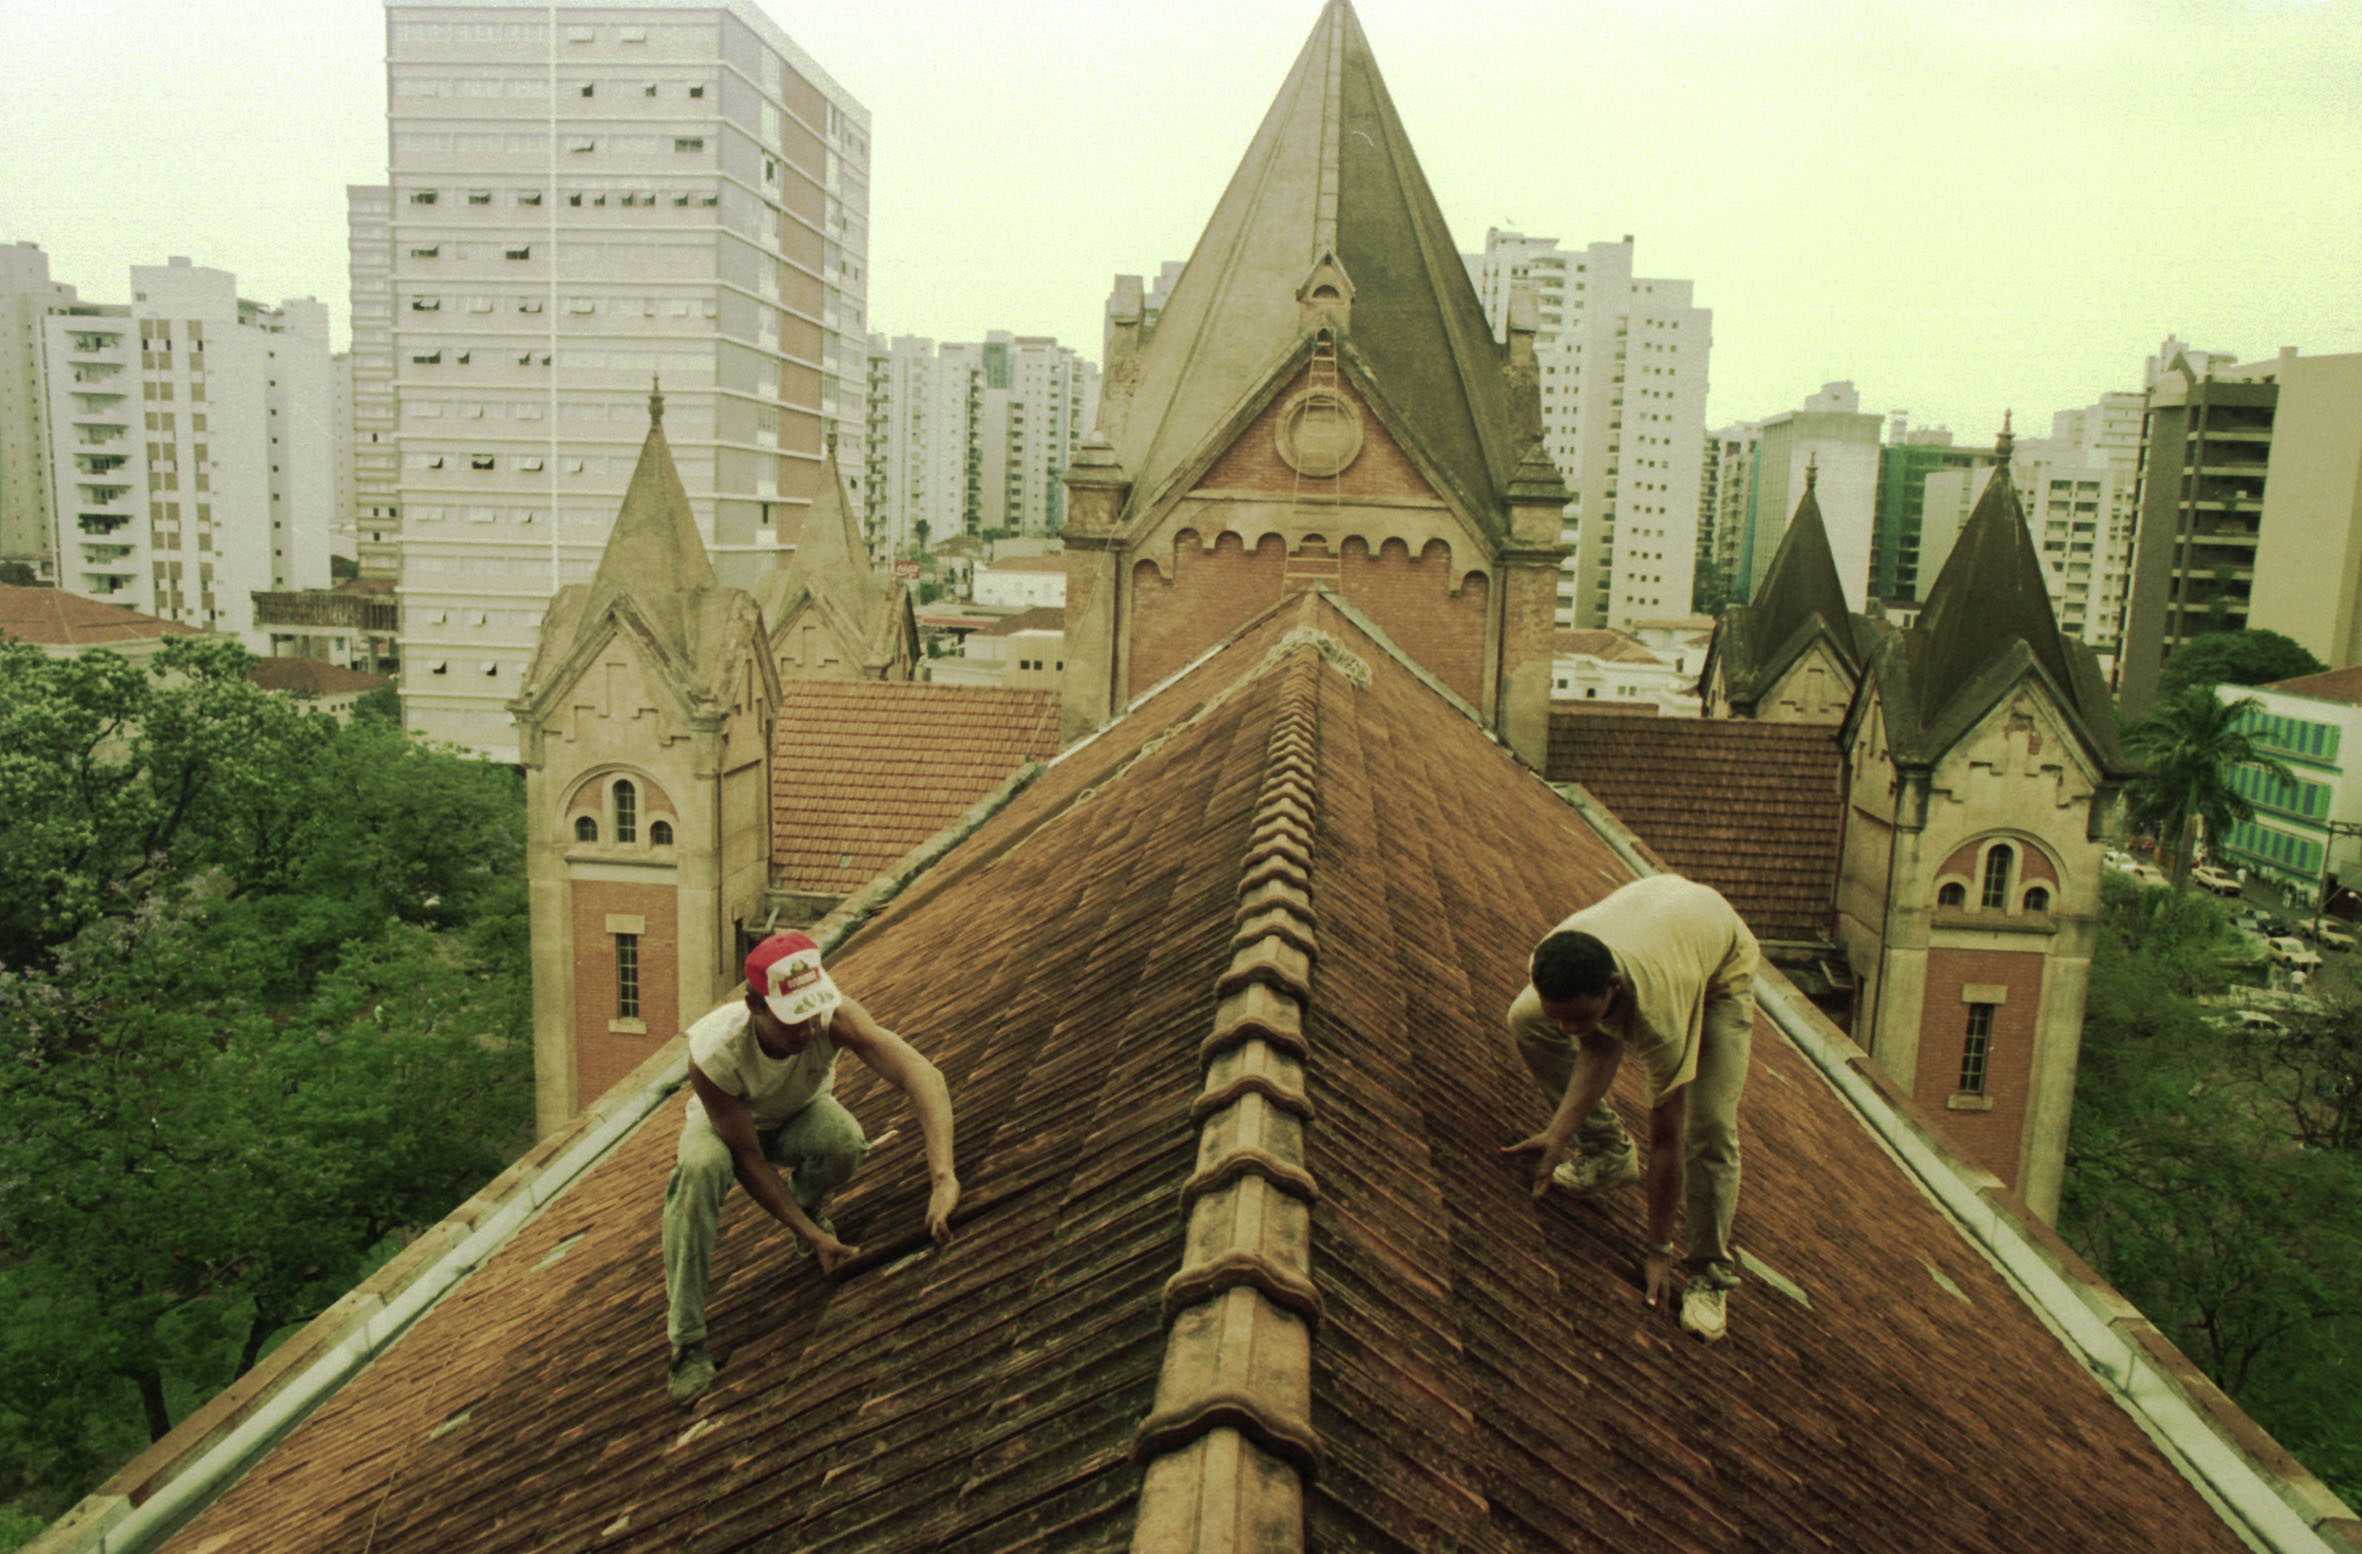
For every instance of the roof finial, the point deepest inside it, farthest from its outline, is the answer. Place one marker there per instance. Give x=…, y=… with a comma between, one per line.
x=2006, y=444
x=655, y=400
x=1812, y=470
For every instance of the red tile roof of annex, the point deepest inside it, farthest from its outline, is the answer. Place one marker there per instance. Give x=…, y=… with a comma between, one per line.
x=1753, y=809
x=1484, y=1373
x=53, y=618
x=862, y=771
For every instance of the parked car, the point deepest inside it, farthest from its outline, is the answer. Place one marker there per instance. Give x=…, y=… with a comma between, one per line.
x=2147, y=874
x=2248, y=1020
x=2208, y=877
x=2295, y=954
x=2327, y=932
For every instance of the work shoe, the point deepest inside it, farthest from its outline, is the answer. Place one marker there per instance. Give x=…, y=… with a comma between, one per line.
x=691, y=1372
x=1588, y=1173
x=1703, y=1311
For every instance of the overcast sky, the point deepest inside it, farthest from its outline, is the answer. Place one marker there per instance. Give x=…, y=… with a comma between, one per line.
x=1961, y=206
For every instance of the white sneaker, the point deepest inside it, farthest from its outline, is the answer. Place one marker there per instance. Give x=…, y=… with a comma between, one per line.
x=1586, y=1173
x=1703, y=1312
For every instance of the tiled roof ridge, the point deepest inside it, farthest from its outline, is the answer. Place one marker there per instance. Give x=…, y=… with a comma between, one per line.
x=1229, y=1442
x=2331, y=685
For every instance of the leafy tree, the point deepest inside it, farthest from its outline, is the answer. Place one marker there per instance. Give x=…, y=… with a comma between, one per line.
x=2186, y=749
x=2250, y=656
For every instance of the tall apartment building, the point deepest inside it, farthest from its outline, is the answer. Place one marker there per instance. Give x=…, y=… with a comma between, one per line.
x=1900, y=568
x=377, y=462
x=968, y=436
x=27, y=295
x=2079, y=484
x=1726, y=486
x=1623, y=362
x=191, y=453
x=1832, y=436
x=586, y=198
x=2250, y=504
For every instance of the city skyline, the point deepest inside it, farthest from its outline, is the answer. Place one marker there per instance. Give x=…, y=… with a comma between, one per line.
x=1961, y=208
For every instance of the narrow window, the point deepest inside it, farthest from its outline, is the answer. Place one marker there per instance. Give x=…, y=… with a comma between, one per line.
x=660, y=833
x=1997, y=864
x=585, y=829
x=1975, y=1048
x=1952, y=895
x=627, y=803
x=627, y=976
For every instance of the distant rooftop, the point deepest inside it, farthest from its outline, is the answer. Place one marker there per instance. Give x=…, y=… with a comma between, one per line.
x=52, y=618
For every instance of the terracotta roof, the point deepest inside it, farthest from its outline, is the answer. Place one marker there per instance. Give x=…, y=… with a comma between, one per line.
x=310, y=677
x=2333, y=685
x=1297, y=864
x=56, y=619
x=1042, y=617
x=1329, y=176
x=1609, y=646
x=862, y=771
x=1753, y=809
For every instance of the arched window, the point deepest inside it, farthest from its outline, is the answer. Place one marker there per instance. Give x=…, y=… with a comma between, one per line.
x=585, y=829
x=1997, y=862
x=1952, y=895
x=660, y=833
x=2038, y=899
x=627, y=811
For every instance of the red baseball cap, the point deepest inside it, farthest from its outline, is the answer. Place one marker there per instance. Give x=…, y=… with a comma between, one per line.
x=785, y=969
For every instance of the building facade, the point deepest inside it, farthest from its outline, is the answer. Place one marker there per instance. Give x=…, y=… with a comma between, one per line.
x=377, y=463
x=28, y=526
x=673, y=192
x=2250, y=504
x=1832, y=437
x=1623, y=363
x=191, y=461
x=2307, y=834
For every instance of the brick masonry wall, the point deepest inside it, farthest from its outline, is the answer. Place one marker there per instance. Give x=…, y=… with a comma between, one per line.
x=602, y=1056
x=1208, y=595
x=1382, y=471
x=1442, y=627
x=1990, y=1138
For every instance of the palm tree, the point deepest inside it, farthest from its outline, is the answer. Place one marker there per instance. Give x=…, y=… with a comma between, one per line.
x=2187, y=748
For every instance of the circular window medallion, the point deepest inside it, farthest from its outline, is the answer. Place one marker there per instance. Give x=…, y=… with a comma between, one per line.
x=1319, y=433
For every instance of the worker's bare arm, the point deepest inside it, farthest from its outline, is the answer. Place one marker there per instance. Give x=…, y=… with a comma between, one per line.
x=1596, y=1062
x=905, y=1068
x=735, y=1126
x=1668, y=1131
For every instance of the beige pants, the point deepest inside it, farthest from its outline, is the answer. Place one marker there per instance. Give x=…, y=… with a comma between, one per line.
x=1711, y=1175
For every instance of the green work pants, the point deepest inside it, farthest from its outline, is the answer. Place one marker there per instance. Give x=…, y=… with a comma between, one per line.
x=818, y=1149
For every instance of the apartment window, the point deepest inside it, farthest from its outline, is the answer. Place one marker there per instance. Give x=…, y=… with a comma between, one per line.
x=1997, y=866
x=580, y=143
x=627, y=804
x=524, y=251
x=688, y=142
x=697, y=90
x=479, y=196
x=426, y=304
x=427, y=252
x=422, y=196
x=631, y=34
x=528, y=196
x=590, y=88
x=650, y=90
x=627, y=976
x=1976, y=1048
x=483, y=461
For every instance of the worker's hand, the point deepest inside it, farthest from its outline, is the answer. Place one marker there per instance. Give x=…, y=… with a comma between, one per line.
x=833, y=1254
x=940, y=1203
x=1549, y=1153
x=1658, y=1270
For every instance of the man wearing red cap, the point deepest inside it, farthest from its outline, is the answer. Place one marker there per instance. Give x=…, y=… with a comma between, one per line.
x=762, y=1071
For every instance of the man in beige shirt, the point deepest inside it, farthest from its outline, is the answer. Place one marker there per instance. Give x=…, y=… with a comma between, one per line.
x=1662, y=968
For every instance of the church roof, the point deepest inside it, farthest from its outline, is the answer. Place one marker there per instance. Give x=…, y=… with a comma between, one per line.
x=1218, y=996
x=1753, y=809
x=1800, y=600
x=831, y=560
x=862, y=771
x=1987, y=622
x=655, y=570
x=1330, y=173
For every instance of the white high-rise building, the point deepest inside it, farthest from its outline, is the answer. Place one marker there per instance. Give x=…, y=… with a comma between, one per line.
x=191, y=449
x=377, y=463
x=27, y=295
x=1623, y=363
x=974, y=435
x=587, y=199
x=1833, y=439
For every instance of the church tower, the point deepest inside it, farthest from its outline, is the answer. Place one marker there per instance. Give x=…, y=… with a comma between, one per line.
x=1320, y=403
x=1982, y=774
x=1795, y=654
x=643, y=727
x=831, y=616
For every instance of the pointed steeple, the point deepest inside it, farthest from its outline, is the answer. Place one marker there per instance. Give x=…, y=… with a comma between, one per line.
x=1329, y=198
x=831, y=557
x=1991, y=593
x=1801, y=589
x=654, y=553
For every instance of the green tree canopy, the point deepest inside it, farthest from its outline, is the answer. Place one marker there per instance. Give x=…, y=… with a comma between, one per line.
x=2186, y=749
x=2246, y=657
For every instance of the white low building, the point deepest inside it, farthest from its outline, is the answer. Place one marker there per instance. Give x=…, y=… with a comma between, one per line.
x=1021, y=582
x=1612, y=667
x=2310, y=725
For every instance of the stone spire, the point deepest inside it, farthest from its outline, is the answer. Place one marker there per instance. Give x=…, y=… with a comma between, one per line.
x=654, y=553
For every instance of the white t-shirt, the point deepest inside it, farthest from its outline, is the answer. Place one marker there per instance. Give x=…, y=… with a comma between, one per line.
x=1677, y=944
x=723, y=1045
